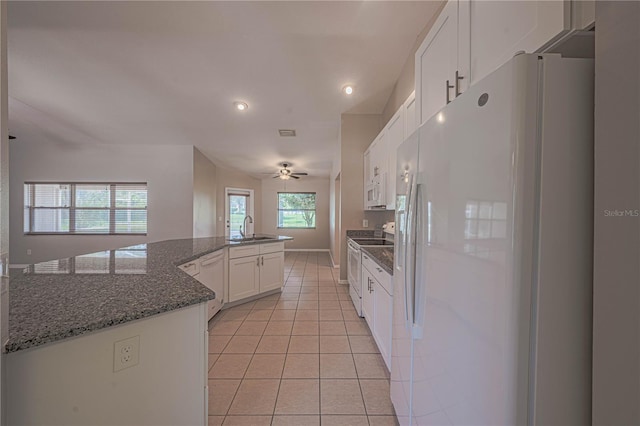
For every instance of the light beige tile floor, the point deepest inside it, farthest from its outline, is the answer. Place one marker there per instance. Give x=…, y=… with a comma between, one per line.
x=300, y=357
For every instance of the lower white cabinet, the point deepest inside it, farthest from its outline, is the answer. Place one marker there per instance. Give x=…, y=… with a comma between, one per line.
x=271, y=271
x=255, y=274
x=377, y=305
x=244, y=277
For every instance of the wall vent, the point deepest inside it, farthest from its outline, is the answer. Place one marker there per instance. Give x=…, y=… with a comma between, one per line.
x=286, y=133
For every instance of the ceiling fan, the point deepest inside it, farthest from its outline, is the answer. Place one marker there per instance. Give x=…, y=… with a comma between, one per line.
x=285, y=173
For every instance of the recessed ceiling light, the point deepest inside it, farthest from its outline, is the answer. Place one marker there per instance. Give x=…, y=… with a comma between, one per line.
x=241, y=106
x=348, y=89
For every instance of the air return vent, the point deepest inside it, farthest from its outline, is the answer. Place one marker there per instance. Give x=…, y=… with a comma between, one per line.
x=286, y=133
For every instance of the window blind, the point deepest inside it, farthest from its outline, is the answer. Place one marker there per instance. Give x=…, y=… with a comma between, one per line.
x=85, y=208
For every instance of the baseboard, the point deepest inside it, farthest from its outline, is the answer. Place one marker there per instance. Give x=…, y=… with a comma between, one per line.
x=322, y=250
x=333, y=263
x=343, y=281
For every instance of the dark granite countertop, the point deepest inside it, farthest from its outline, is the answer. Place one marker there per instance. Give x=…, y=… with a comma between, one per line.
x=382, y=255
x=54, y=300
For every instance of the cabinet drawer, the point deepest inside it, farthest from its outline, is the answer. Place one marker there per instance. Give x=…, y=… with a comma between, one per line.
x=244, y=251
x=192, y=268
x=377, y=273
x=271, y=247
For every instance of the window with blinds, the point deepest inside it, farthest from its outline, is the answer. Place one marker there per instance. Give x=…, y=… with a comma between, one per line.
x=85, y=208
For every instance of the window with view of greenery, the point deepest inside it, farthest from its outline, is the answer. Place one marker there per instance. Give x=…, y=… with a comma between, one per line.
x=91, y=208
x=296, y=209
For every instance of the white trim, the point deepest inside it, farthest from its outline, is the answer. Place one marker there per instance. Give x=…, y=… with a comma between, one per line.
x=333, y=263
x=343, y=281
x=321, y=250
x=250, y=226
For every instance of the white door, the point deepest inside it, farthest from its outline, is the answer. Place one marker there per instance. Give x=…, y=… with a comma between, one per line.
x=394, y=137
x=367, y=297
x=244, y=277
x=471, y=330
x=238, y=207
x=401, y=371
x=436, y=63
x=382, y=316
x=499, y=29
x=4, y=193
x=271, y=271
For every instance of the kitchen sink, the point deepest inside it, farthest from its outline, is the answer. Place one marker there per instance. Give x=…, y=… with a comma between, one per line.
x=249, y=239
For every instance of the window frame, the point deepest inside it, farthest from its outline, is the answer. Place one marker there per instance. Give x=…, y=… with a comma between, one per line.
x=314, y=210
x=73, y=209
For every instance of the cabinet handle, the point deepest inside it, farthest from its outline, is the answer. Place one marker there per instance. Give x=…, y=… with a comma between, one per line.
x=378, y=269
x=258, y=261
x=448, y=87
x=262, y=262
x=458, y=78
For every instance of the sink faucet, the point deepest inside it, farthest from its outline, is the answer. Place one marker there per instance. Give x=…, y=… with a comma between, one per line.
x=244, y=224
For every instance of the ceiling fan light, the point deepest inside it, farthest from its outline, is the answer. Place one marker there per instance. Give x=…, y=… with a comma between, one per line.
x=285, y=176
x=241, y=106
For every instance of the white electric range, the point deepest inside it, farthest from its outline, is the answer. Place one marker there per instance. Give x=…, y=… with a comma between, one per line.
x=354, y=266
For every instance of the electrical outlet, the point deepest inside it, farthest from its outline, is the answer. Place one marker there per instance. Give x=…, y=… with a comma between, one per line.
x=126, y=353
x=28, y=252
x=365, y=223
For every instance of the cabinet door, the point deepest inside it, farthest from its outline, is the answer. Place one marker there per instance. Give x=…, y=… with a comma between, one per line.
x=243, y=277
x=367, y=175
x=410, y=118
x=271, y=271
x=377, y=152
x=499, y=29
x=367, y=297
x=436, y=62
x=382, y=311
x=394, y=137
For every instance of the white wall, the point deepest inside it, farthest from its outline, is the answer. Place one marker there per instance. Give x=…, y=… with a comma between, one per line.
x=318, y=238
x=72, y=382
x=616, y=297
x=204, y=196
x=168, y=171
x=357, y=131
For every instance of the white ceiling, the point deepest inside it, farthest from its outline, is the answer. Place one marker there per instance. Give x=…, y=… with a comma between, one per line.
x=169, y=72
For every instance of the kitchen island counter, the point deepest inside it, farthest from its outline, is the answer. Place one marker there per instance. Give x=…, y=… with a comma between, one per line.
x=55, y=300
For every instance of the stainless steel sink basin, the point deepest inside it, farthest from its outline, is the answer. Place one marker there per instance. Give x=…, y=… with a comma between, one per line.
x=250, y=239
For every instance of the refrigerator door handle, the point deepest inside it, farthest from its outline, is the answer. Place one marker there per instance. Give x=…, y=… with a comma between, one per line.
x=409, y=253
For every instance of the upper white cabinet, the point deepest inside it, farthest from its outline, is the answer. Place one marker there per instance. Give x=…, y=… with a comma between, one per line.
x=436, y=64
x=380, y=157
x=394, y=137
x=410, y=118
x=472, y=38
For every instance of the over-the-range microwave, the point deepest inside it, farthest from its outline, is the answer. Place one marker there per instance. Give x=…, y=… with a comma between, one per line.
x=375, y=193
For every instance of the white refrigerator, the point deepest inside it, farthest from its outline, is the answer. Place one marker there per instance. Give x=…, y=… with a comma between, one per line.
x=493, y=255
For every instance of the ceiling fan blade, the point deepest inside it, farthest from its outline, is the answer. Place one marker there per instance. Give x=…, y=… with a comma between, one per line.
x=294, y=177
x=300, y=174
x=276, y=176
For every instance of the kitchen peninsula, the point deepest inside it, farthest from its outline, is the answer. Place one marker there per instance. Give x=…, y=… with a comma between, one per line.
x=114, y=337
